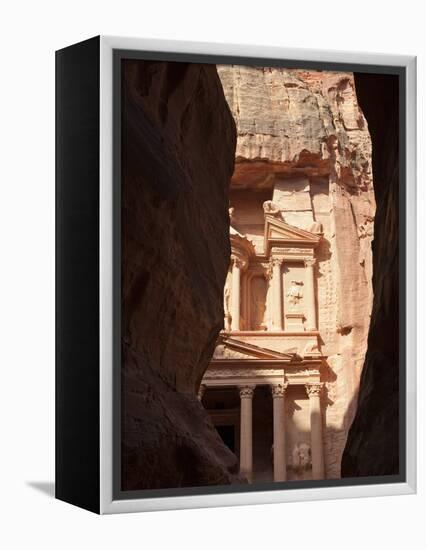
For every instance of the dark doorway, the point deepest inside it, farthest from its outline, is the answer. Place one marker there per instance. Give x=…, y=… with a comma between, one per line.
x=227, y=433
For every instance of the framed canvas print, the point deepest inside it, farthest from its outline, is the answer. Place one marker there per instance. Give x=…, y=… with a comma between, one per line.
x=235, y=274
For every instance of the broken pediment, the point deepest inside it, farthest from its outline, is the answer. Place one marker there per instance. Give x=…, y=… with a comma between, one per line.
x=231, y=348
x=280, y=233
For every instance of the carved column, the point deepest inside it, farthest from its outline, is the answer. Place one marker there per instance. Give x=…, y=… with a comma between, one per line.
x=246, y=432
x=226, y=301
x=277, y=295
x=236, y=293
x=201, y=391
x=314, y=393
x=280, y=467
x=311, y=315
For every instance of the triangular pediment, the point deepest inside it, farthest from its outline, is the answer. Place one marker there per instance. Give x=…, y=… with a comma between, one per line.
x=231, y=348
x=279, y=232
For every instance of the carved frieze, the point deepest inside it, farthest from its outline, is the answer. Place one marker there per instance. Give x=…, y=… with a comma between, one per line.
x=224, y=352
x=213, y=373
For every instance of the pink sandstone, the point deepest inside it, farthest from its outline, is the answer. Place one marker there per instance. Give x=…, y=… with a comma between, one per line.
x=306, y=130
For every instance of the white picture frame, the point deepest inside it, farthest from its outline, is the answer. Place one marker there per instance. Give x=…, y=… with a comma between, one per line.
x=108, y=504
x=108, y=501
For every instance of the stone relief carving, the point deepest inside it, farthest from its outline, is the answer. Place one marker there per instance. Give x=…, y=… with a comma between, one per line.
x=304, y=371
x=301, y=457
x=294, y=293
x=366, y=229
x=292, y=250
x=272, y=209
x=312, y=372
x=241, y=373
x=223, y=352
x=311, y=348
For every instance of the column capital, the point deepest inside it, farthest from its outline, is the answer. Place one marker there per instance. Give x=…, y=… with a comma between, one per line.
x=246, y=391
x=276, y=261
x=313, y=389
x=309, y=262
x=278, y=390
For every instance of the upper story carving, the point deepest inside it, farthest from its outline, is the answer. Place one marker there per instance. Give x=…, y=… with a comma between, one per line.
x=270, y=284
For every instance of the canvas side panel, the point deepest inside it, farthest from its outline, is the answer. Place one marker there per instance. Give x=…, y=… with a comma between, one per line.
x=77, y=274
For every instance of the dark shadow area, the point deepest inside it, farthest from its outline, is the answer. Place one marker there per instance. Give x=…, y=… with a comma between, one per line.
x=177, y=158
x=46, y=487
x=373, y=445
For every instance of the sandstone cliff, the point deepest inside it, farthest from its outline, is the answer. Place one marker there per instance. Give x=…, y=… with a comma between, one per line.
x=373, y=442
x=179, y=148
x=306, y=127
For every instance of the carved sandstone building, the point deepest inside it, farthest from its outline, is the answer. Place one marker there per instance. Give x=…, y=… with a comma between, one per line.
x=281, y=387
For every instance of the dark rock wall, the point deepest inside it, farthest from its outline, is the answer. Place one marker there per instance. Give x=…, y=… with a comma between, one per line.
x=372, y=447
x=178, y=148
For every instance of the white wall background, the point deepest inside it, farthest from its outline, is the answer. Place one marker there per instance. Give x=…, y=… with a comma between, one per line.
x=29, y=33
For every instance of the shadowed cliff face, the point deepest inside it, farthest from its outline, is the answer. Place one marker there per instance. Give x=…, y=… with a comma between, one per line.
x=372, y=445
x=179, y=143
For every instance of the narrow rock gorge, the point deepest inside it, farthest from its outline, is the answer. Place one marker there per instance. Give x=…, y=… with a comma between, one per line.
x=179, y=143
x=215, y=159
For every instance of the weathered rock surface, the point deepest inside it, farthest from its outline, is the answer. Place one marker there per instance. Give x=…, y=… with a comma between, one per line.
x=179, y=148
x=373, y=442
x=302, y=134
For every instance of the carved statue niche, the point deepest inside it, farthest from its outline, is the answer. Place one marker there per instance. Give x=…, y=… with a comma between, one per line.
x=294, y=293
x=258, y=295
x=301, y=458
